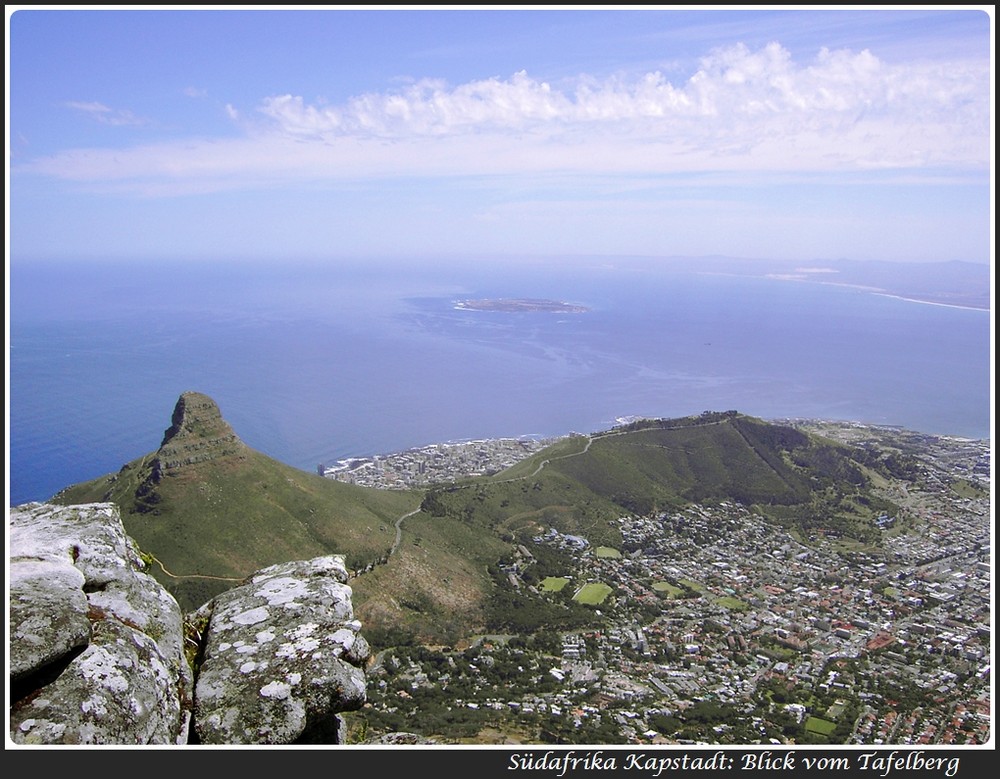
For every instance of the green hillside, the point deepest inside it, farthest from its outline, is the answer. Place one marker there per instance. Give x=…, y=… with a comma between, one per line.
x=583, y=484
x=230, y=510
x=209, y=510
x=577, y=486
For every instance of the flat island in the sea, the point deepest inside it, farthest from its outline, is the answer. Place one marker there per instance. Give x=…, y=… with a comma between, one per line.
x=517, y=305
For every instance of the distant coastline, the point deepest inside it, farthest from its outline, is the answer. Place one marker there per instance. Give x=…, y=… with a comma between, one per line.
x=957, y=298
x=517, y=305
x=926, y=302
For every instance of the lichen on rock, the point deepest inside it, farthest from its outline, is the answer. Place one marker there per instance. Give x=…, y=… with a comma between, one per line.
x=283, y=655
x=96, y=643
x=100, y=652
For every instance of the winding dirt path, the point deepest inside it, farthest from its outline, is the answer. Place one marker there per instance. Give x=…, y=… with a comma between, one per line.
x=399, y=529
x=192, y=575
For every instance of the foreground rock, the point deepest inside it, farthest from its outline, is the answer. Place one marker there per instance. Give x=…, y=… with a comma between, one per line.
x=96, y=649
x=96, y=645
x=282, y=656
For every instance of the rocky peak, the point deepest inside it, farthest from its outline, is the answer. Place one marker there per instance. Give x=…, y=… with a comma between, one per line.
x=197, y=433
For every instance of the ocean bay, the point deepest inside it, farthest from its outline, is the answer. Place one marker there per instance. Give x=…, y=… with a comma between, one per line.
x=312, y=364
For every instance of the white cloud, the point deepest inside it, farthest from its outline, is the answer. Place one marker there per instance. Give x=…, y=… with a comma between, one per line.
x=107, y=115
x=742, y=110
x=733, y=87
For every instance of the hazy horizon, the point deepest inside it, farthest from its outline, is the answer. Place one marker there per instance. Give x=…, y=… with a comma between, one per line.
x=314, y=365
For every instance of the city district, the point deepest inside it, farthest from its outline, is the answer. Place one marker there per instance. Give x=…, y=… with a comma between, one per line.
x=719, y=627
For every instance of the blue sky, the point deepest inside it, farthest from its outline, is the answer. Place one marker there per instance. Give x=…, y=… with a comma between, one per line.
x=326, y=133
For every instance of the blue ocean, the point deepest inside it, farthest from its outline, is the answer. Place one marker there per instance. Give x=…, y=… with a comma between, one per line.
x=312, y=363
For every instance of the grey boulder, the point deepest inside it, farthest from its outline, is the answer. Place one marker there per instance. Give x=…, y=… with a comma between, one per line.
x=282, y=656
x=96, y=645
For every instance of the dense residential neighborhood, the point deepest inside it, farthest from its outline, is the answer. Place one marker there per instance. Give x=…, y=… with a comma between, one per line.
x=714, y=625
x=433, y=464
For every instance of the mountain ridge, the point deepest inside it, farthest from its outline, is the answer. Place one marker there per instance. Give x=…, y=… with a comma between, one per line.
x=717, y=566
x=208, y=509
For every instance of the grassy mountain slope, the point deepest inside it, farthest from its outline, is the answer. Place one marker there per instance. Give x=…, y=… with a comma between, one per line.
x=211, y=510
x=434, y=589
x=576, y=487
x=581, y=485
